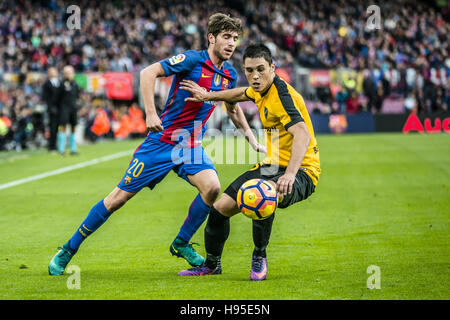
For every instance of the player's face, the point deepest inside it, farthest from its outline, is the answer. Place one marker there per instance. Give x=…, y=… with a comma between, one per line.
x=259, y=73
x=224, y=44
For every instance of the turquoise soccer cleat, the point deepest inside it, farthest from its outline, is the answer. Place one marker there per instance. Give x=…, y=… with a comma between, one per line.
x=61, y=259
x=185, y=250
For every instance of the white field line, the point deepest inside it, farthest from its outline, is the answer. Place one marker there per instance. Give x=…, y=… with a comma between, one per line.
x=65, y=169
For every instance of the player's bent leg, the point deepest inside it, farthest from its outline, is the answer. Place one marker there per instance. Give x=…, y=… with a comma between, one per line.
x=117, y=198
x=216, y=233
x=218, y=229
x=261, y=236
x=207, y=182
x=208, y=185
x=302, y=188
x=226, y=205
x=98, y=214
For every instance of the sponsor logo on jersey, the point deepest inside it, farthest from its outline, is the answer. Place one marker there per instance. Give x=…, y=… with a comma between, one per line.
x=177, y=59
x=269, y=130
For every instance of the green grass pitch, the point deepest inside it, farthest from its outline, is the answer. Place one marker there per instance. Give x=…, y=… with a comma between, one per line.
x=382, y=200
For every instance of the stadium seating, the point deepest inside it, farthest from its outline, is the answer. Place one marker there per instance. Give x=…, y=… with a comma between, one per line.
x=409, y=53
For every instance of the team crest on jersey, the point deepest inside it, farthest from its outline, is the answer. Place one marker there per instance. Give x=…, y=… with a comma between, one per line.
x=225, y=83
x=127, y=180
x=217, y=79
x=177, y=59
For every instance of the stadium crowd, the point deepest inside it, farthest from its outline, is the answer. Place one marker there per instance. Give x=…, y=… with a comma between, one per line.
x=407, y=57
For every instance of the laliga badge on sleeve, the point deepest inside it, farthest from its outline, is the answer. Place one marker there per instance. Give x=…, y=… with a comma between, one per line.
x=177, y=59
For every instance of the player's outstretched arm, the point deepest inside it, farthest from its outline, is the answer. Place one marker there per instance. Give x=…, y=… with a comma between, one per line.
x=300, y=143
x=200, y=94
x=237, y=116
x=148, y=77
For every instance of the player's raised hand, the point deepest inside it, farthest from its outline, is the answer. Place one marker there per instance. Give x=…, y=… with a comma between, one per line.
x=153, y=123
x=259, y=147
x=199, y=94
x=285, y=183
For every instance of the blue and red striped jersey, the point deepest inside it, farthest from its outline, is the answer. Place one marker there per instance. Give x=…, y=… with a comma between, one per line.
x=180, y=118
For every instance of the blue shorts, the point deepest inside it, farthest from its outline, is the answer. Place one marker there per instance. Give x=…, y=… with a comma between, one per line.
x=154, y=159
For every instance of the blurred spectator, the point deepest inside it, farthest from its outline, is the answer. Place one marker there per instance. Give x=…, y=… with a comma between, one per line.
x=137, y=121
x=101, y=124
x=341, y=98
x=369, y=90
x=5, y=124
x=352, y=103
x=379, y=97
x=50, y=95
x=410, y=102
x=124, y=125
x=23, y=127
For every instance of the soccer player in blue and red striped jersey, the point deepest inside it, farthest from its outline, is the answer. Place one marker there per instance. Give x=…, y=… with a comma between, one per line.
x=174, y=140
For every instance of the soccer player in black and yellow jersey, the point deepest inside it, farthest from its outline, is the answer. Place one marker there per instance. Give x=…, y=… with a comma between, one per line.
x=292, y=164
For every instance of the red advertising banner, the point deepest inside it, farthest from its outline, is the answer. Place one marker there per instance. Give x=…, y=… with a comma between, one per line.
x=283, y=74
x=119, y=85
x=440, y=123
x=319, y=78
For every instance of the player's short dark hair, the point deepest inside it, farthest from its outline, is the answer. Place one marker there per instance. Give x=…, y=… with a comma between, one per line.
x=219, y=22
x=258, y=50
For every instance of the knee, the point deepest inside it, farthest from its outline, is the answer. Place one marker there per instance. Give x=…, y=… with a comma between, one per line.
x=220, y=206
x=116, y=199
x=226, y=206
x=211, y=192
x=112, y=204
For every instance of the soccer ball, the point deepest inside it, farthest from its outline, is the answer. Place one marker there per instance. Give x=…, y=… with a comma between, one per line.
x=257, y=199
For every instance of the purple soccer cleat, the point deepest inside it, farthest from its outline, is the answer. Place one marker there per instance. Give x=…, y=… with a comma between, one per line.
x=259, y=269
x=201, y=271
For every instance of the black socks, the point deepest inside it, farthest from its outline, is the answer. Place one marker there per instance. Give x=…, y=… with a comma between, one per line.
x=216, y=233
x=261, y=235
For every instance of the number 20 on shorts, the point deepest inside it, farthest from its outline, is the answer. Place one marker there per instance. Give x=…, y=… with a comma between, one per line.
x=136, y=168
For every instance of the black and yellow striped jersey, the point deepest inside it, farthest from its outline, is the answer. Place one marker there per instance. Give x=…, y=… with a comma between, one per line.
x=280, y=107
